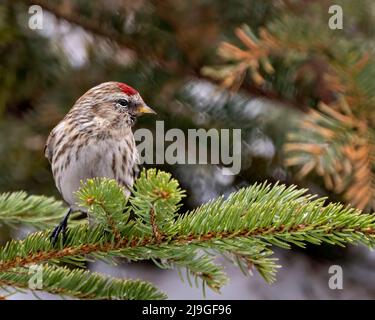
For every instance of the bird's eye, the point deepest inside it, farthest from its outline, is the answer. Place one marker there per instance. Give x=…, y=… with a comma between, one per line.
x=123, y=102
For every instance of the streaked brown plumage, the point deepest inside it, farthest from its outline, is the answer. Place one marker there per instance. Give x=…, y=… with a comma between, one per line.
x=95, y=139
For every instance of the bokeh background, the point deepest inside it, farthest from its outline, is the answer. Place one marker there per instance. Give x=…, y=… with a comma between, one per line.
x=302, y=94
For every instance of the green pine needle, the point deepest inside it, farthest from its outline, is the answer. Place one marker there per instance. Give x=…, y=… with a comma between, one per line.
x=242, y=227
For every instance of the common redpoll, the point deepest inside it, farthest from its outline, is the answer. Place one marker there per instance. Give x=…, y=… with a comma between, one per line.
x=95, y=139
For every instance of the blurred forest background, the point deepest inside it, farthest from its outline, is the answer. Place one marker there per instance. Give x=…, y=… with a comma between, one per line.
x=303, y=95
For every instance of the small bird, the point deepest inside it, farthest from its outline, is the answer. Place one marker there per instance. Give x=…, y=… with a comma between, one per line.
x=95, y=139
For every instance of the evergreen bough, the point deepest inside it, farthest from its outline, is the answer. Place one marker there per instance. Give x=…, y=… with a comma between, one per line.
x=149, y=226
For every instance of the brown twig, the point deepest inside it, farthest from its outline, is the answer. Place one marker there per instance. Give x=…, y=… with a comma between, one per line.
x=177, y=240
x=114, y=229
x=155, y=228
x=87, y=24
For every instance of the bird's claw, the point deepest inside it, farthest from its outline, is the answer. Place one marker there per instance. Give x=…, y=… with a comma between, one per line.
x=60, y=228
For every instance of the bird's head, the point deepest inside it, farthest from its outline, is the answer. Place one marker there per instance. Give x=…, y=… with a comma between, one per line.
x=114, y=103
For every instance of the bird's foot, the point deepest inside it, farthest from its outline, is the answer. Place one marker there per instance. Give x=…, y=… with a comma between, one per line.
x=60, y=228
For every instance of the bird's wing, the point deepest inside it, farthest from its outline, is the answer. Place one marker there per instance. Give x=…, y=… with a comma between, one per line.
x=48, y=148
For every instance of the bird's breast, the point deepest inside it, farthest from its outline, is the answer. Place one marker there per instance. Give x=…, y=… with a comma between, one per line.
x=98, y=156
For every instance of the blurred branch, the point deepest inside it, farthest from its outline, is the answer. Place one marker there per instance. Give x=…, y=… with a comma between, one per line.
x=87, y=24
x=177, y=69
x=340, y=148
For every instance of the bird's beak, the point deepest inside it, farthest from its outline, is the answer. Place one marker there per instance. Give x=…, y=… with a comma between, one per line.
x=143, y=108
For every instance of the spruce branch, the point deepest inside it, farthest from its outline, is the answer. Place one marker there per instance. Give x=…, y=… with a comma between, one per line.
x=335, y=137
x=243, y=227
x=37, y=211
x=201, y=266
x=250, y=60
x=79, y=283
x=339, y=147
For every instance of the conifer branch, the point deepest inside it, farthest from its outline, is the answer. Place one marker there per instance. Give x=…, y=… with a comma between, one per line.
x=339, y=147
x=37, y=211
x=244, y=227
x=337, y=140
x=79, y=284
